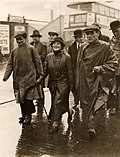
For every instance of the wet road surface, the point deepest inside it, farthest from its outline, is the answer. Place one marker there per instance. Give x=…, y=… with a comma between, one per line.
x=35, y=140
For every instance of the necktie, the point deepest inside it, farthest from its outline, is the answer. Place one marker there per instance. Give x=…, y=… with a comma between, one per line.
x=78, y=46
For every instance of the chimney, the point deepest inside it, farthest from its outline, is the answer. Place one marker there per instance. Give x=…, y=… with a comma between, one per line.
x=51, y=15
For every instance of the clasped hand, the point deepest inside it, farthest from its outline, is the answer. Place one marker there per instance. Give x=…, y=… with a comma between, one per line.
x=96, y=69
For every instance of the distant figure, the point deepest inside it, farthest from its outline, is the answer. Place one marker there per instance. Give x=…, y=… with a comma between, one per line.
x=25, y=64
x=1, y=55
x=42, y=51
x=115, y=43
x=73, y=52
x=51, y=37
x=101, y=36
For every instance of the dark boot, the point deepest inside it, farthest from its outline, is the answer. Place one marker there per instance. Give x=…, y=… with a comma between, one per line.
x=27, y=119
x=21, y=119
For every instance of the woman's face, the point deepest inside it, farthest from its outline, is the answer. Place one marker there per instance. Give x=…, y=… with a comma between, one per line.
x=56, y=46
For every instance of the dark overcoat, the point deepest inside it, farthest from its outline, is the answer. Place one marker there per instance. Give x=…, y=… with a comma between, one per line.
x=98, y=54
x=25, y=63
x=42, y=50
x=73, y=52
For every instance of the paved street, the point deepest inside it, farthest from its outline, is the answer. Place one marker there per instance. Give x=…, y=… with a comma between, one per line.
x=35, y=140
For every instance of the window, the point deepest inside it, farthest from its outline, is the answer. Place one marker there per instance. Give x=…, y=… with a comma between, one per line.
x=112, y=12
x=86, y=7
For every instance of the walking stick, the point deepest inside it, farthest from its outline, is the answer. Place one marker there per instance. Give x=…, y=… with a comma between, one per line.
x=39, y=89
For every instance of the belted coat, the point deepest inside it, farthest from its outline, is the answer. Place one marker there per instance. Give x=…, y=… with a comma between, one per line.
x=59, y=69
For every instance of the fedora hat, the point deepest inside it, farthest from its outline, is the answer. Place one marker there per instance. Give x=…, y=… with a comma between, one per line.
x=91, y=28
x=114, y=24
x=36, y=33
x=20, y=33
x=78, y=33
x=59, y=39
x=53, y=33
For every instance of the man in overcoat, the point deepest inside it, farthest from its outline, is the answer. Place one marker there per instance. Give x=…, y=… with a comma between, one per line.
x=73, y=52
x=96, y=67
x=25, y=64
x=51, y=36
x=42, y=51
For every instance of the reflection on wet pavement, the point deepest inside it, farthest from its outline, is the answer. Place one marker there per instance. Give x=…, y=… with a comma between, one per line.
x=36, y=141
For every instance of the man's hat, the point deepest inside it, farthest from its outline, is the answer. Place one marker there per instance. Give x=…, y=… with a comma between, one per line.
x=114, y=24
x=20, y=33
x=91, y=28
x=53, y=33
x=36, y=33
x=78, y=33
x=97, y=24
x=58, y=39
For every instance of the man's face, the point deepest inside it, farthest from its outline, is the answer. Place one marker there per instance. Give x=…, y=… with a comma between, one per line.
x=57, y=46
x=36, y=39
x=20, y=40
x=79, y=39
x=92, y=36
x=116, y=32
x=52, y=37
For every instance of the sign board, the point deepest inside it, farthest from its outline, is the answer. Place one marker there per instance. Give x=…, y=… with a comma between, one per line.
x=66, y=21
x=12, y=18
x=4, y=38
x=90, y=18
x=103, y=20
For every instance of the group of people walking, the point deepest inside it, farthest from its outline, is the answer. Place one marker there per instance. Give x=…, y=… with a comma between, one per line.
x=89, y=69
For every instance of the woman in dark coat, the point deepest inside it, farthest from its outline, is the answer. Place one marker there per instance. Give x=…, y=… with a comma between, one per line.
x=59, y=67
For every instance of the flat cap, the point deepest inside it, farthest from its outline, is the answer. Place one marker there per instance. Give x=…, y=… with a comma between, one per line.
x=20, y=33
x=114, y=24
x=53, y=33
x=97, y=24
x=91, y=28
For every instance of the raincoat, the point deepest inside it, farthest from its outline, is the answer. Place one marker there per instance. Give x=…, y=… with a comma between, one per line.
x=89, y=83
x=59, y=68
x=26, y=66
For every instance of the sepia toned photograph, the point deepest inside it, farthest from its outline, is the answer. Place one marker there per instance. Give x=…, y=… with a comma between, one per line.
x=60, y=78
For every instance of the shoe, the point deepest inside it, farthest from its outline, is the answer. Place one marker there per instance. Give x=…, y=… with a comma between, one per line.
x=27, y=119
x=55, y=127
x=92, y=134
x=112, y=111
x=21, y=119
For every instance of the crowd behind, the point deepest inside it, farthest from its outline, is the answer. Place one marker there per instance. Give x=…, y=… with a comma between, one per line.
x=89, y=68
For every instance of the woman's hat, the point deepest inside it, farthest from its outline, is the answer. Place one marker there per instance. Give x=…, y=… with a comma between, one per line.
x=20, y=33
x=59, y=39
x=36, y=33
